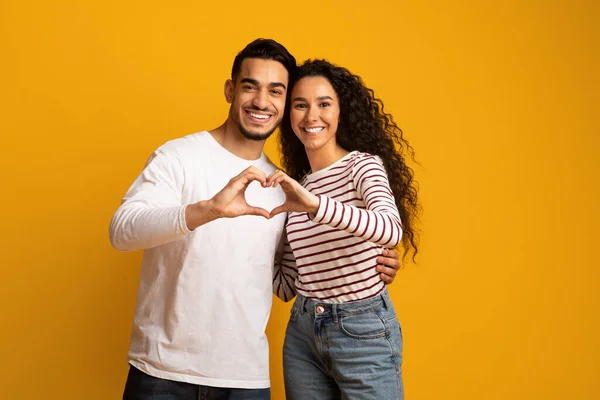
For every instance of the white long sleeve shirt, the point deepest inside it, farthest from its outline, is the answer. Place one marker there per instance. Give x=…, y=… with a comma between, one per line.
x=204, y=297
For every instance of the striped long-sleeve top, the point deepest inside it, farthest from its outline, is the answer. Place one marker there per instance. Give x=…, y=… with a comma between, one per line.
x=332, y=256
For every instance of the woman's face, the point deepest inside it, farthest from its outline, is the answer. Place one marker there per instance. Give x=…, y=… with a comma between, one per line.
x=315, y=113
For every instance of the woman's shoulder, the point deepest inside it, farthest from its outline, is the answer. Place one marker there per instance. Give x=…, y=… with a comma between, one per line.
x=361, y=158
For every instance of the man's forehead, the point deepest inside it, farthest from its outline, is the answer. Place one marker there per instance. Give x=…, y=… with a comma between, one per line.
x=263, y=70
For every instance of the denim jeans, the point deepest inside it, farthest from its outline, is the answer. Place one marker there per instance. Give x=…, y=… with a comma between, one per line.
x=141, y=386
x=343, y=351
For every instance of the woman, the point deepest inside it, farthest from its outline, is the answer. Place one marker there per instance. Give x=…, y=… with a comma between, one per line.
x=356, y=197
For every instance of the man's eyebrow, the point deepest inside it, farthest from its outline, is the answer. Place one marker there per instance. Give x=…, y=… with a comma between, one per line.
x=318, y=98
x=249, y=80
x=257, y=83
x=277, y=84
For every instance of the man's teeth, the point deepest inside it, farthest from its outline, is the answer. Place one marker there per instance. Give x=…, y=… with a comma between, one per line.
x=259, y=116
x=313, y=130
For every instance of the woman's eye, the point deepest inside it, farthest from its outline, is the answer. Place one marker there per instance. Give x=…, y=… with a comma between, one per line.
x=324, y=104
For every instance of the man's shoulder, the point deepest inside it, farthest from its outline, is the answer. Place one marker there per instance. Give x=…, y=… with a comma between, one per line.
x=185, y=144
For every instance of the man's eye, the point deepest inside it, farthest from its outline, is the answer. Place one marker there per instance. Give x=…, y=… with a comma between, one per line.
x=276, y=92
x=247, y=87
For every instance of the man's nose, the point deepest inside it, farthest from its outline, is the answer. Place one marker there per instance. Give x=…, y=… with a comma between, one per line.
x=261, y=99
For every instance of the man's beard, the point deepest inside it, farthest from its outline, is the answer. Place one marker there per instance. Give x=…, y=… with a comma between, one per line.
x=250, y=135
x=255, y=136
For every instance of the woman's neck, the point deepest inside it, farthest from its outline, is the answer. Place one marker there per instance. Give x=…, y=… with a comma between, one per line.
x=322, y=158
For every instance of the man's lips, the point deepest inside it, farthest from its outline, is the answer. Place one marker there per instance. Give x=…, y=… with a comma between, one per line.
x=258, y=117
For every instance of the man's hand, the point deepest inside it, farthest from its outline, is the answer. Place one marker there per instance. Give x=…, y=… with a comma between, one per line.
x=230, y=202
x=297, y=198
x=388, y=265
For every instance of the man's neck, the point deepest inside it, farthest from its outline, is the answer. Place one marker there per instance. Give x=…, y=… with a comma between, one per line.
x=229, y=136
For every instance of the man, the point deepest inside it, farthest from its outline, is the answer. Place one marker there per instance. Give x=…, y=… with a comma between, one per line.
x=200, y=211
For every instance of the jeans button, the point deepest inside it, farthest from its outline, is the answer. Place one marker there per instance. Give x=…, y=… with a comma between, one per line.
x=320, y=309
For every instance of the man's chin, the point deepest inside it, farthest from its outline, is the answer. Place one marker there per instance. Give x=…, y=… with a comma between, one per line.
x=258, y=136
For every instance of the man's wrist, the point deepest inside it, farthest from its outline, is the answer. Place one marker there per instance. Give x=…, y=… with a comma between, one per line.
x=200, y=213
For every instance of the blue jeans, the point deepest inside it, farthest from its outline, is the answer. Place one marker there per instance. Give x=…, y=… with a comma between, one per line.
x=141, y=386
x=343, y=351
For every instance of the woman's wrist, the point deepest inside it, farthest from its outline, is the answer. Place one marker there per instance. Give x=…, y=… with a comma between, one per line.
x=313, y=207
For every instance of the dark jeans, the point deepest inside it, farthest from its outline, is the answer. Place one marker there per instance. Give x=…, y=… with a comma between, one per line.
x=141, y=386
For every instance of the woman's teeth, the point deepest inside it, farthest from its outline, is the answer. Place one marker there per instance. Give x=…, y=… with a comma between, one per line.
x=313, y=130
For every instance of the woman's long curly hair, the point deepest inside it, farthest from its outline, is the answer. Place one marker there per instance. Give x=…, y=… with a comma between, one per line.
x=363, y=126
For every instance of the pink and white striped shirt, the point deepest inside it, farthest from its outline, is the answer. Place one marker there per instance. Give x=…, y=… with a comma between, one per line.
x=332, y=257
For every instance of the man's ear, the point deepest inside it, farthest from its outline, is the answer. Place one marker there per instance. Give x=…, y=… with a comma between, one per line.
x=229, y=87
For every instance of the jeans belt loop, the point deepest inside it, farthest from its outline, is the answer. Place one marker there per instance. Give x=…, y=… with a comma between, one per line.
x=304, y=301
x=387, y=303
x=334, y=314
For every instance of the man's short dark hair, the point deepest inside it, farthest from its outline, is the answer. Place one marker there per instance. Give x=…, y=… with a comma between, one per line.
x=266, y=49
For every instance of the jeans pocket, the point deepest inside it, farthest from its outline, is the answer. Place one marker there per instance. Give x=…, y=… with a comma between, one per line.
x=396, y=343
x=368, y=325
x=395, y=330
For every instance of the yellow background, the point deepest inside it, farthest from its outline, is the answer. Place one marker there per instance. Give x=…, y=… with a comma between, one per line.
x=500, y=100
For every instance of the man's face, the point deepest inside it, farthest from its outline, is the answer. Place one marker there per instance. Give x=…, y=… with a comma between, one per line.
x=257, y=97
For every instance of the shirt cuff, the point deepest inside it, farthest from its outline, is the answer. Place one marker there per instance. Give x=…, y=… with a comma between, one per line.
x=323, y=203
x=183, y=228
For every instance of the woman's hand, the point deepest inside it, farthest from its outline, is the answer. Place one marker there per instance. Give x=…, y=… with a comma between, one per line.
x=297, y=198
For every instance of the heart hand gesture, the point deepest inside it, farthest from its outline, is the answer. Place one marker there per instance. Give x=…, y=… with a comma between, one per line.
x=231, y=202
x=297, y=198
